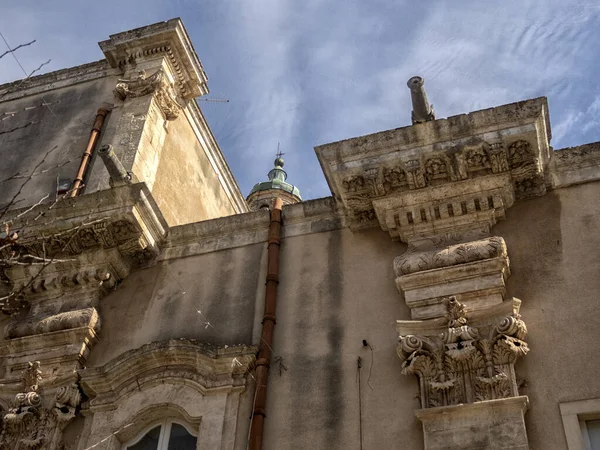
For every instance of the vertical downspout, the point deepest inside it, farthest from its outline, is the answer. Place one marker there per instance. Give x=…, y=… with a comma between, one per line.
x=85, y=158
x=266, y=338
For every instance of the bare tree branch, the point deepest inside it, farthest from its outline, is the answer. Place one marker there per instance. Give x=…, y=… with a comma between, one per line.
x=15, y=49
x=19, y=175
x=12, y=201
x=38, y=68
x=5, y=300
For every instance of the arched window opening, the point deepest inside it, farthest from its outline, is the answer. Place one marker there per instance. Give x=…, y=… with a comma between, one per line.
x=165, y=435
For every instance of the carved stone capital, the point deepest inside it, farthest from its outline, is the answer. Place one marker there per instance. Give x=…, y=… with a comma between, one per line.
x=464, y=357
x=156, y=84
x=32, y=422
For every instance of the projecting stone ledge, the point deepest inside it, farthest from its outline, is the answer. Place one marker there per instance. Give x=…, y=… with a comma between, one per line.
x=458, y=173
x=489, y=425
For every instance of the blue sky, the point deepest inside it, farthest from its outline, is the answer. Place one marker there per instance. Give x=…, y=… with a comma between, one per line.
x=305, y=73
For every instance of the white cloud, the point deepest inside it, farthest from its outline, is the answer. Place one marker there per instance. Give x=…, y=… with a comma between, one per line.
x=306, y=73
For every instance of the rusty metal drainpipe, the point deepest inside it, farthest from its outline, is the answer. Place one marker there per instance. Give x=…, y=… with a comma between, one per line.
x=266, y=338
x=85, y=158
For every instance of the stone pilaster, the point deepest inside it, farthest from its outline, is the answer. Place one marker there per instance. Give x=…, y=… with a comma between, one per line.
x=440, y=187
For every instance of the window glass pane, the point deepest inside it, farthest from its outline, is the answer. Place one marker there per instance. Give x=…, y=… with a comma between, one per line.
x=180, y=439
x=593, y=428
x=148, y=442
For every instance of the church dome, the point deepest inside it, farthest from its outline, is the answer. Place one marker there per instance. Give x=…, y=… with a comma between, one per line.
x=263, y=193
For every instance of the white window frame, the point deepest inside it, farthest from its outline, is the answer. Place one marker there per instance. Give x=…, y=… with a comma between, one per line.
x=574, y=417
x=165, y=433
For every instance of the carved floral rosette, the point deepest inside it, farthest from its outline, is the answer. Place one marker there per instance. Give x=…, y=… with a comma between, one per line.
x=29, y=424
x=465, y=364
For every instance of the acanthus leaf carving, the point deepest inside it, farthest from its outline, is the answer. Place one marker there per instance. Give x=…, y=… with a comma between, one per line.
x=415, y=175
x=465, y=364
x=498, y=160
x=29, y=423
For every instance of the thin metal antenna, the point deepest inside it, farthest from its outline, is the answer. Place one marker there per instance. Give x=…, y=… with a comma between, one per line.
x=216, y=100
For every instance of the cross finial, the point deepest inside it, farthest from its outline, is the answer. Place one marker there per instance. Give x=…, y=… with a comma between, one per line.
x=279, y=153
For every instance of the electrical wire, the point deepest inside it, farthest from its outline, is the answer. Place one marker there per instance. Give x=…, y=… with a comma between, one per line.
x=360, y=432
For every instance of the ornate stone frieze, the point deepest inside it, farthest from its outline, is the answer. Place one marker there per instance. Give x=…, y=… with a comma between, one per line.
x=156, y=84
x=33, y=423
x=500, y=155
x=464, y=361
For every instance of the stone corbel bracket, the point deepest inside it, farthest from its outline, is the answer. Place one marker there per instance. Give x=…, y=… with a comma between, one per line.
x=450, y=174
x=168, y=41
x=471, y=266
x=208, y=368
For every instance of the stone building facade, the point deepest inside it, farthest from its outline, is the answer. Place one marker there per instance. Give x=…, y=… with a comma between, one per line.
x=444, y=297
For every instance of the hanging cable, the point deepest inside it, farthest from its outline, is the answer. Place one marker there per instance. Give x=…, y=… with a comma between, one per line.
x=360, y=433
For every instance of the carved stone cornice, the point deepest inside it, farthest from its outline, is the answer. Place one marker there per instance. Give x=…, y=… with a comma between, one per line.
x=208, y=368
x=464, y=358
x=165, y=40
x=451, y=174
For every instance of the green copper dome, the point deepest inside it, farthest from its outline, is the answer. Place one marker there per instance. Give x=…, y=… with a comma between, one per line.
x=277, y=177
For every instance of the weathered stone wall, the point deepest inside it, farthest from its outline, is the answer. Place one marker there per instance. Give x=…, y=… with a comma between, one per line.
x=53, y=136
x=553, y=249
x=186, y=186
x=337, y=288
x=162, y=302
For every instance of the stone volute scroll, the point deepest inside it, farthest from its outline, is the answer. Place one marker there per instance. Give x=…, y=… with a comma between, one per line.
x=36, y=420
x=462, y=360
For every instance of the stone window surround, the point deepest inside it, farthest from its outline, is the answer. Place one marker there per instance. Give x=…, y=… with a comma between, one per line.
x=574, y=414
x=180, y=379
x=165, y=424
